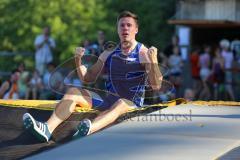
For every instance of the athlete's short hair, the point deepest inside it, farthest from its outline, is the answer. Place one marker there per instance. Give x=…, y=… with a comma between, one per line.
x=127, y=14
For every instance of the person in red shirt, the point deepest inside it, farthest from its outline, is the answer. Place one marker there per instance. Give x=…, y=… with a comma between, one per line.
x=195, y=70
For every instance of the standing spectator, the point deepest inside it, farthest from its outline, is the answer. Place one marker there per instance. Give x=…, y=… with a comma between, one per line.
x=163, y=61
x=9, y=88
x=175, y=64
x=195, y=70
x=204, y=62
x=228, y=57
x=235, y=48
x=44, y=46
x=217, y=72
x=174, y=43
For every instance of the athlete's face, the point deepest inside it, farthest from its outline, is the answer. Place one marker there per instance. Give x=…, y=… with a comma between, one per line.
x=127, y=29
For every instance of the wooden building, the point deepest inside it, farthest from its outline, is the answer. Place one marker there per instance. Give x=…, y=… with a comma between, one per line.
x=201, y=22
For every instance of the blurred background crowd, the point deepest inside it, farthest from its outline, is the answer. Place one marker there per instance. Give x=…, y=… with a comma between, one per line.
x=202, y=66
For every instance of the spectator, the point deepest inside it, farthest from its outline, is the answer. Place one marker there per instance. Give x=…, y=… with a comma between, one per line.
x=195, y=70
x=23, y=81
x=52, y=82
x=163, y=61
x=228, y=57
x=88, y=59
x=86, y=44
x=174, y=43
x=9, y=88
x=100, y=42
x=217, y=72
x=175, y=64
x=35, y=86
x=235, y=48
x=44, y=46
x=204, y=62
x=189, y=94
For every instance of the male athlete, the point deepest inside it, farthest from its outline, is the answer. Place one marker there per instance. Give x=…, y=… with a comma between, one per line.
x=130, y=68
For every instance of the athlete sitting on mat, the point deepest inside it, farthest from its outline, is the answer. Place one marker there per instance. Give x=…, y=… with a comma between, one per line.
x=130, y=66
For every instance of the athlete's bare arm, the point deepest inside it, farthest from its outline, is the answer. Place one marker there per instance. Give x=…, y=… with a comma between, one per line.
x=90, y=74
x=149, y=59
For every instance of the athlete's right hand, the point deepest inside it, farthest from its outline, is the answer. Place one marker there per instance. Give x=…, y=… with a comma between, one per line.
x=79, y=52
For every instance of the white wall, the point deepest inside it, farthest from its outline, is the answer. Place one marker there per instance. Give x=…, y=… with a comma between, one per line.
x=238, y=10
x=220, y=9
x=209, y=9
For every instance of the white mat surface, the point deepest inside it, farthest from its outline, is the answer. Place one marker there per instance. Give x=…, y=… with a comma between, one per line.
x=184, y=132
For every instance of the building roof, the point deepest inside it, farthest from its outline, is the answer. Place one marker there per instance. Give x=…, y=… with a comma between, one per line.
x=205, y=23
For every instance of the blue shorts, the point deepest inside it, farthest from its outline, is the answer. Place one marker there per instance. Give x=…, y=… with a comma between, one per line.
x=104, y=104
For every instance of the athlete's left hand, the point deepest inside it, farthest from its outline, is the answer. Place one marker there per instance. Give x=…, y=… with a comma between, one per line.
x=152, y=54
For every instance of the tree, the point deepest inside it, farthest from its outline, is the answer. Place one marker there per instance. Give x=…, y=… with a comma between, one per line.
x=73, y=21
x=153, y=16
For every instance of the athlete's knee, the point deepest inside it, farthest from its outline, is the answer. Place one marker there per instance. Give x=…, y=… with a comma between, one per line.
x=71, y=93
x=122, y=106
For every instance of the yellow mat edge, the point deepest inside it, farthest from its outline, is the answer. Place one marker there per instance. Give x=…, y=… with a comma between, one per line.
x=50, y=104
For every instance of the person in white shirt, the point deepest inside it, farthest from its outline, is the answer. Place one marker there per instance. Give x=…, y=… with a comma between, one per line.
x=44, y=46
x=175, y=64
x=204, y=64
x=228, y=59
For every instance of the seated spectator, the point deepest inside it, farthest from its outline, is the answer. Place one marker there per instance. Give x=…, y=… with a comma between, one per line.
x=100, y=42
x=23, y=81
x=52, y=83
x=87, y=46
x=35, y=86
x=9, y=88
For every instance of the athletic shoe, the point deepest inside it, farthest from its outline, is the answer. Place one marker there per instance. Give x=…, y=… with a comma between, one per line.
x=38, y=129
x=83, y=129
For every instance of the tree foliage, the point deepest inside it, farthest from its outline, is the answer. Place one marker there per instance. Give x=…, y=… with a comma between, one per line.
x=73, y=21
x=153, y=16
